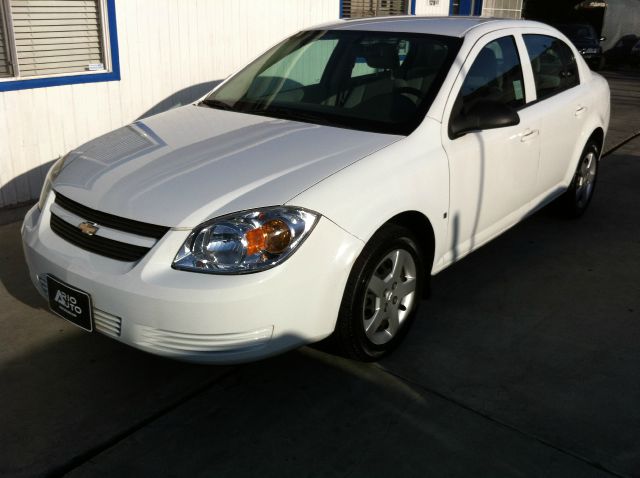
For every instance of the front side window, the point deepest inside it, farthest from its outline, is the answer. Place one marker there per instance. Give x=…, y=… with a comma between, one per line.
x=373, y=81
x=495, y=75
x=553, y=63
x=54, y=37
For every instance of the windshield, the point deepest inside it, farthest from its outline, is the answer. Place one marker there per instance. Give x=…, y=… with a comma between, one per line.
x=373, y=81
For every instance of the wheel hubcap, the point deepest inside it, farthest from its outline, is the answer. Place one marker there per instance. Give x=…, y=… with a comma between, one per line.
x=390, y=296
x=585, y=178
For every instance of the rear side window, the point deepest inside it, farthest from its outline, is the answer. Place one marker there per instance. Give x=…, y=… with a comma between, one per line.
x=496, y=74
x=553, y=63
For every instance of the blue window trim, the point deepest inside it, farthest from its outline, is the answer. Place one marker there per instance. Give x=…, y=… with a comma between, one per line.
x=113, y=75
x=465, y=8
x=412, y=7
x=478, y=8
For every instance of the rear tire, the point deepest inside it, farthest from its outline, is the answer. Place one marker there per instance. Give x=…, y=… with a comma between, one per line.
x=574, y=202
x=382, y=295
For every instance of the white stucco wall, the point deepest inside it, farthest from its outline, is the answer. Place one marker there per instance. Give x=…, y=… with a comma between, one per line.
x=165, y=46
x=432, y=7
x=170, y=53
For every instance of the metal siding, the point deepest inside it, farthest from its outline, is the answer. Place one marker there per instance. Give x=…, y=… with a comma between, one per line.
x=166, y=47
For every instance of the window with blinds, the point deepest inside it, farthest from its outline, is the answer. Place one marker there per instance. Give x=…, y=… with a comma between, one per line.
x=52, y=37
x=5, y=62
x=373, y=8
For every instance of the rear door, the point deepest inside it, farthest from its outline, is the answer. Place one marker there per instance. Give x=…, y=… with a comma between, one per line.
x=563, y=102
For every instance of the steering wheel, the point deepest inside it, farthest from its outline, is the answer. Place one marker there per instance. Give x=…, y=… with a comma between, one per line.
x=408, y=90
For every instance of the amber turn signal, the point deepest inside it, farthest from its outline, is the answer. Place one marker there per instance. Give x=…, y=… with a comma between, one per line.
x=273, y=237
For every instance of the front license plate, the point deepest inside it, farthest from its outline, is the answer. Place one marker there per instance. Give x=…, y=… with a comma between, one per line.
x=70, y=303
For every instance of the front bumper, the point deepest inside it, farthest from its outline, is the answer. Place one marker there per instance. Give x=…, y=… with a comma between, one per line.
x=201, y=317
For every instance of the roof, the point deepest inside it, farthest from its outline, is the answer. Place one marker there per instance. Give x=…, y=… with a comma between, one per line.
x=456, y=26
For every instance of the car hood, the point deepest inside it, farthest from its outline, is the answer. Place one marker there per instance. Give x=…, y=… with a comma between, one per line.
x=184, y=166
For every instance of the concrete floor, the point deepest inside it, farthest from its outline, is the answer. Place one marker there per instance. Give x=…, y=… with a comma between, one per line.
x=526, y=362
x=625, y=105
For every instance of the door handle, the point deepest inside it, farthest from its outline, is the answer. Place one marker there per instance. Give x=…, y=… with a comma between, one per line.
x=529, y=134
x=580, y=110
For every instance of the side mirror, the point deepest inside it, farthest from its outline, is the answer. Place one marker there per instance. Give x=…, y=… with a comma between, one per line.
x=484, y=114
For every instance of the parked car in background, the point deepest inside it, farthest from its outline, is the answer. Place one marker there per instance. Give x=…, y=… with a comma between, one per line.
x=586, y=40
x=622, y=52
x=635, y=54
x=314, y=193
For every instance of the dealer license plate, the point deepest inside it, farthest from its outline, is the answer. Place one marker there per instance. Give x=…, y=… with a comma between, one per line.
x=70, y=303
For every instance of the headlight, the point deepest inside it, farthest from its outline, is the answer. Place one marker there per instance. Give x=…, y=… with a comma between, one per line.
x=53, y=173
x=245, y=242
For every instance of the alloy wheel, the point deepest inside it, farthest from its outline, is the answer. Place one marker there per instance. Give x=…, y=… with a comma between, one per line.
x=390, y=296
x=585, y=179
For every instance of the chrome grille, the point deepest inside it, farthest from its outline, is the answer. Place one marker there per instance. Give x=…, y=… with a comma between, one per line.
x=109, y=220
x=68, y=215
x=120, y=251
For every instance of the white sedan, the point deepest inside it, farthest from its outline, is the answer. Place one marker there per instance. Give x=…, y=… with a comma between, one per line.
x=314, y=193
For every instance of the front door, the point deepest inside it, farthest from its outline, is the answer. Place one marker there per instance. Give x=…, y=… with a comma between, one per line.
x=492, y=173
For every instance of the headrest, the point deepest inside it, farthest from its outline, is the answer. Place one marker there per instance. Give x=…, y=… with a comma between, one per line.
x=483, y=70
x=382, y=55
x=486, y=64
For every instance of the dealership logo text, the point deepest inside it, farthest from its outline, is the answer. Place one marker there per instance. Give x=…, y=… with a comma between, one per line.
x=67, y=302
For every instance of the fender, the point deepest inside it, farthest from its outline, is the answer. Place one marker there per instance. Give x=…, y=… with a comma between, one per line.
x=416, y=179
x=599, y=116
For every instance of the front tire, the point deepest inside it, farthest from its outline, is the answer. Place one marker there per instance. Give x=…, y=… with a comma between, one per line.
x=382, y=295
x=574, y=202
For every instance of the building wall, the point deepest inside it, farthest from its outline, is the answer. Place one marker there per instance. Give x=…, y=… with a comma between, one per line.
x=432, y=7
x=502, y=8
x=170, y=53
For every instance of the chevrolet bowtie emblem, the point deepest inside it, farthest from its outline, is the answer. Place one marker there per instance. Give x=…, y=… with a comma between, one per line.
x=88, y=228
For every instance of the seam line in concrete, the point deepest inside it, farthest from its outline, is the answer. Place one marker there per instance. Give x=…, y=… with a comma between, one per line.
x=84, y=457
x=613, y=149
x=504, y=424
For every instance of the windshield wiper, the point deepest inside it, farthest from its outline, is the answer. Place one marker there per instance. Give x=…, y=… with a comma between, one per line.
x=217, y=104
x=294, y=115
